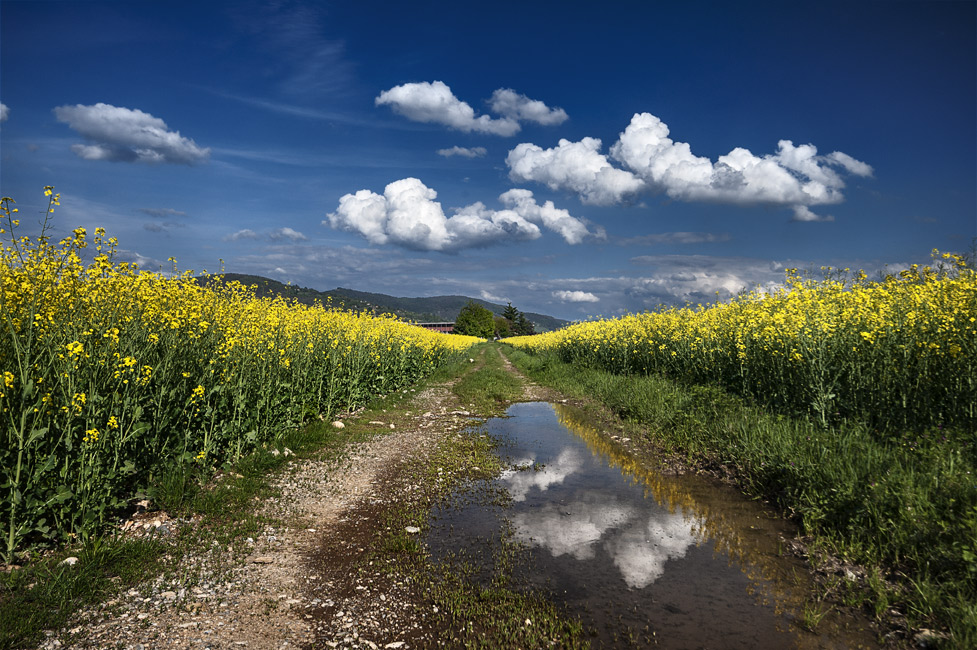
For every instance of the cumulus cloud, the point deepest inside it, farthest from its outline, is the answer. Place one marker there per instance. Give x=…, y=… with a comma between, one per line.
x=407, y=215
x=575, y=296
x=464, y=152
x=651, y=162
x=516, y=106
x=120, y=134
x=575, y=166
x=4, y=112
x=433, y=102
x=286, y=233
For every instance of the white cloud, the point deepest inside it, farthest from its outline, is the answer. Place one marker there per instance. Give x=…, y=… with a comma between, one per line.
x=286, y=233
x=794, y=176
x=491, y=297
x=516, y=106
x=407, y=215
x=127, y=135
x=4, y=112
x=246, y=233
x=435, y=103
x=465, y=152
x=278, y=234
x=803, y=213
x=575, y=296
x=576, y=166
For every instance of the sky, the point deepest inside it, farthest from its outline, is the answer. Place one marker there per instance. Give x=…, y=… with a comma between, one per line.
x=578, y=159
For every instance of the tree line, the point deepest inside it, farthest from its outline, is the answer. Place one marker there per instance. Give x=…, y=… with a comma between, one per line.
x=475, y=320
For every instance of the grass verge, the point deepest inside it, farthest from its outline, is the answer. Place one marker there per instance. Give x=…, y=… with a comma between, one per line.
x=905, y=510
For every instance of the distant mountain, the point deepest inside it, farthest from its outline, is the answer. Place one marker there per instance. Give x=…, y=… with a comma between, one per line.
x=421, y=310
x=443, y=308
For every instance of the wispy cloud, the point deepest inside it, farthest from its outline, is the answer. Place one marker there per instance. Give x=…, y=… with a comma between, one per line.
x=119, y=134
x=4, y=112
x=675, y=238
x=296, y=110
x=279, y=234
x=516, y=106
x=464, y=152
x=163, y=213
x=292, y=34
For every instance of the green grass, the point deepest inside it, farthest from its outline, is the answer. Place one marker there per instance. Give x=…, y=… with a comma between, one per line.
x=488, y=388
x=44, y=595
x=905, y=508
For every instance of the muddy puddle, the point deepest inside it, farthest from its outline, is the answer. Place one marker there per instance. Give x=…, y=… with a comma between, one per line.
x=642, y=559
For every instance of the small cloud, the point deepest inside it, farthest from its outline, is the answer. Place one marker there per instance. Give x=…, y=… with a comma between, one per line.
x=465, y=152
x=575, y=296
x=120, y=134
x=677, y=238
x=803, y=213
x=485, y=295
x=165, y=226
x=247, y=233
x=278, y=234
x=4, y=112
x=433, y=102
x=162, y=213
x=513, y=105
x=287, y=233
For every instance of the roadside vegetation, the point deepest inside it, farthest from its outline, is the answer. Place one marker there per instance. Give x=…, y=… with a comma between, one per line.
x=849, y=404
x=116, y=381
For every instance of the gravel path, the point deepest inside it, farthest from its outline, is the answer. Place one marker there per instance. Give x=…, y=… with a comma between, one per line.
x=291, y=586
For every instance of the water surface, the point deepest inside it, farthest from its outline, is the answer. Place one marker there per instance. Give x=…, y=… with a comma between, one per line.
x=641, y=558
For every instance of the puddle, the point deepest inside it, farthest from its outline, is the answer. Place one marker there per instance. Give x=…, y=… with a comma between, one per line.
x=642, y=559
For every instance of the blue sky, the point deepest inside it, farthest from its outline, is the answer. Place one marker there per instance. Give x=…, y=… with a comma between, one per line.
x=577, y=159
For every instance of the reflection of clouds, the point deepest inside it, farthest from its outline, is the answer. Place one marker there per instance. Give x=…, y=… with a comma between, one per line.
x=641, y=552
x=638, y=542
x=573, y=529
x=519, y=483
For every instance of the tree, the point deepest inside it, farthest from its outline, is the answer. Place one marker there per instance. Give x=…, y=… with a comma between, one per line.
x=524, y=326
x=503, y=327
x=510, y=313
x=475, y=320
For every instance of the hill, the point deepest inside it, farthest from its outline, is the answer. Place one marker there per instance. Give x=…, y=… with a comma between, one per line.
x=421, y=310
